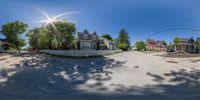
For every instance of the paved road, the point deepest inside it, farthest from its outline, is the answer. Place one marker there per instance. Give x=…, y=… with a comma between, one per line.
x=127, y=76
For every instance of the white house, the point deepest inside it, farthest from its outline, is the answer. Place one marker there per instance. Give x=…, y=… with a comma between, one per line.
x=91, y=41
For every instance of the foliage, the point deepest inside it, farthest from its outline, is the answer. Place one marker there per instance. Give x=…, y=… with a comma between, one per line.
x=124, y=46
x=33, y=35
x=12, y=32
x=198, y=44
x=140, y=45
x=164, y=43
x=22, y=42
x=116, y=42
x=170, y=47
x=107, y=36
x=123, y=40
x=59, y=36
x=62, y=35
x=85, y=31
x=177, y=41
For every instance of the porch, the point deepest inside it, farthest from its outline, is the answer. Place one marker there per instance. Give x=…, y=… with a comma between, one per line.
x=191, y=48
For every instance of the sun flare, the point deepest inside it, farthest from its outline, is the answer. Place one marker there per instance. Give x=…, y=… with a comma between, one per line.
x=51, y=20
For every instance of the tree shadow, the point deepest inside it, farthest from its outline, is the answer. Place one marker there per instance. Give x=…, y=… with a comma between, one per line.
x=185, y=84
x=42, y=77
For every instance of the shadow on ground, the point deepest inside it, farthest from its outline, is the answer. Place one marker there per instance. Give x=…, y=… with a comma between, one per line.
x=50, y=78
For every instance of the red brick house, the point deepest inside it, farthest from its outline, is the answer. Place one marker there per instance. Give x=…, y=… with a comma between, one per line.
x=155, y=45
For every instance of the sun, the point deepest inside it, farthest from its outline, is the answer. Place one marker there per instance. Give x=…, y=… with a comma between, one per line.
x=51, y=20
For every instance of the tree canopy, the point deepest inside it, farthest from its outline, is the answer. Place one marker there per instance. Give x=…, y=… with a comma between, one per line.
x=140, y=45
x=12, y=32
x=59, y=36
x=38, y=38
x=177, y=40
x=107, y=36
x=198, y=44
x=164, y=43
x=123, y=40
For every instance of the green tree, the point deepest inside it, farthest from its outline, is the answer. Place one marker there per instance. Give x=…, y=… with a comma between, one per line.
x=107, y=36
x=116, y=42
x=85, y=31
x=22, y=42
x=43, y=40
x=33, y=37
x=12, y=32
x=61, y=35
x=164, y=43
x=123, y=39
x=176, y=42
x=38, y=38
x=198, y=45
x=170, y=47
x=140, y=45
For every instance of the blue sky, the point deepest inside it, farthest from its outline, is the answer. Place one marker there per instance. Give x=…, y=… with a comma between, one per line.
x=141, y=18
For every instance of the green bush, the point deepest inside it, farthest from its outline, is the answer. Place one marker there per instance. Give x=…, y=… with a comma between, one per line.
x=123, y=46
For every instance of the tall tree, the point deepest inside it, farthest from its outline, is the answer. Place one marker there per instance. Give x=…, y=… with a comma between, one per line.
x=116, y=42
x=107, y=36
x=33, y=36
x=198, y=44
x=12, y=32
x=62, y=34
x=38, y=38
x=85, y=31
x=123, y=39
x=176, y=42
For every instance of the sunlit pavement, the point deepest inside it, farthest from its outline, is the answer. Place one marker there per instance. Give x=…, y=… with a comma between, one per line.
x=127, y=76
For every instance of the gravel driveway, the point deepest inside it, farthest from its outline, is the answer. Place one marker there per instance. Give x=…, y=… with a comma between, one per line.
x=127, y=76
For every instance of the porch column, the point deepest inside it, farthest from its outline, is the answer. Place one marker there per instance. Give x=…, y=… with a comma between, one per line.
x=189, y=48
x=182, y=47
x=174, y=47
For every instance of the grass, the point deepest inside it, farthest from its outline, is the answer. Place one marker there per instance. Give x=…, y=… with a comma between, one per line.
x=180, y=55
x=81, y=57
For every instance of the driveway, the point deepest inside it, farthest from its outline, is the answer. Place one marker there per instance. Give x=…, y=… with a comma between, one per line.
x=127, y=76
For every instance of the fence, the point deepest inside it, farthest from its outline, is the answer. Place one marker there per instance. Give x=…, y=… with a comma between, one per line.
x=75, y=53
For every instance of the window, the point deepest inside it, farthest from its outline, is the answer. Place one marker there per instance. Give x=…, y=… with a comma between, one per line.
x=85, y=36
x=94, y=37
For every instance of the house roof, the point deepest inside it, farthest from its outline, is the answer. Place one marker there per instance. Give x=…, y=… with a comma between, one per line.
x=150, y=40
x=187, y=41
x=89, y=35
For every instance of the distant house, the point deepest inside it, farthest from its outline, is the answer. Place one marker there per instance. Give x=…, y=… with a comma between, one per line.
x=185, y=45
x=88, y=41
x=155, y=45
x=105, y=44
x=91, y=41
